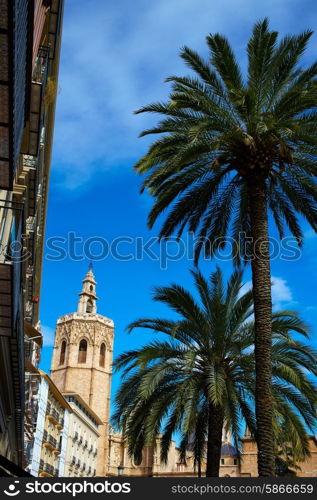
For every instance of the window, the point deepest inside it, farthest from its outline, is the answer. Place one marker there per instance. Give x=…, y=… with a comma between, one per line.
x=102, y=355
x=235, y=461
x=82, y=352
x=222, y=461
x=89, y=306
x=62, y=355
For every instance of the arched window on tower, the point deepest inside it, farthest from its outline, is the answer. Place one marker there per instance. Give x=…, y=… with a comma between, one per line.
x=62, y=354
x=82, y=352
x=89, y=306
x=102, y=356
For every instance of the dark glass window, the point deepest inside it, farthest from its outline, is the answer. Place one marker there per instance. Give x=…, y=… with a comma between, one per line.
x=102, y=356
x=63, y=351
x=82, y=352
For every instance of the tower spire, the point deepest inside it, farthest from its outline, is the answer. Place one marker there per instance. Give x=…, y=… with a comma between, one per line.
x=87, y=297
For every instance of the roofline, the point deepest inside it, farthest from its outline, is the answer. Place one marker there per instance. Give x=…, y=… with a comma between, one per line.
x=55, y=391
x=83, y=402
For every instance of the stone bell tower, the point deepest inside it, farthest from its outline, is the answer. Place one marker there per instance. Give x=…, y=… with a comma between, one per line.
x=82, y=358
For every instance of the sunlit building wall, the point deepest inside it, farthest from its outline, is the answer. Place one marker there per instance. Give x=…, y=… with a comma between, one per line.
x=30, y=47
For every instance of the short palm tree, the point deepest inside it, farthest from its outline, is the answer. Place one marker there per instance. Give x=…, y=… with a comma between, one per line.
x=233, y=149
x=202, y=378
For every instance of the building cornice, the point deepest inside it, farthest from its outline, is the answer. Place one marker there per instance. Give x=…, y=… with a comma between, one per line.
x=86, y=317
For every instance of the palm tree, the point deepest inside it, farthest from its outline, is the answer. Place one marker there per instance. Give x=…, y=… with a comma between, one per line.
x=202, y=377
x=233, y=149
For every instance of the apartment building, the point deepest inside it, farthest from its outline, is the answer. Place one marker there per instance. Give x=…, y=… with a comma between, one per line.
x=51, y=435
x=29, y=48
x=83, y=435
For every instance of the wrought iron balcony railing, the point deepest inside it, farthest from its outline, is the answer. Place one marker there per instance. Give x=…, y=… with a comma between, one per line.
x=52, y=441
x=49, y=469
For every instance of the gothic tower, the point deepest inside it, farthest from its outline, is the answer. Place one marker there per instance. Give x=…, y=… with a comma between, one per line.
x=82, y=358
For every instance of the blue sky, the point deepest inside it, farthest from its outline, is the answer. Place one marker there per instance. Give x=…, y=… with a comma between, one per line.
x=115, y=57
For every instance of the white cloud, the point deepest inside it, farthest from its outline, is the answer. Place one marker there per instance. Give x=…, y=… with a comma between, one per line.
x=48, y=336
x=281, y=292
x=115, y=56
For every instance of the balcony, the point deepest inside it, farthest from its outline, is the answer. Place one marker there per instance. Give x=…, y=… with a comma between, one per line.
x=37, y=96
x=11, y=306
x=11, y=257
x=58, y=449
x=53, y=416
x=48, y=470
x=30, y=168
x=60, y=424
x=50, y=442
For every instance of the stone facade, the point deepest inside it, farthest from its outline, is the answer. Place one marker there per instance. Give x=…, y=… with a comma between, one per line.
x=30, y=44
x=82, y=359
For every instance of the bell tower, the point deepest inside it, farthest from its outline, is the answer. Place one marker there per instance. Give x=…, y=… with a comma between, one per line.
x=82, y=358
x=87, y=301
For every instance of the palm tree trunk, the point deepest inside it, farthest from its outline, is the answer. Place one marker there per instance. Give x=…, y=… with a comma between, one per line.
x=199, y=467
x=214, y=441
x=261, y=280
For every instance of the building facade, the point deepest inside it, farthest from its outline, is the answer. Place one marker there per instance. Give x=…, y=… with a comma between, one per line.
x=83, y=436
x=52, y=431
x=29, y=47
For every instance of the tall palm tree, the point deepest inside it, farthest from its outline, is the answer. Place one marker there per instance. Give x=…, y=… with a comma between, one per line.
x=234, y=148
x=202, y=377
